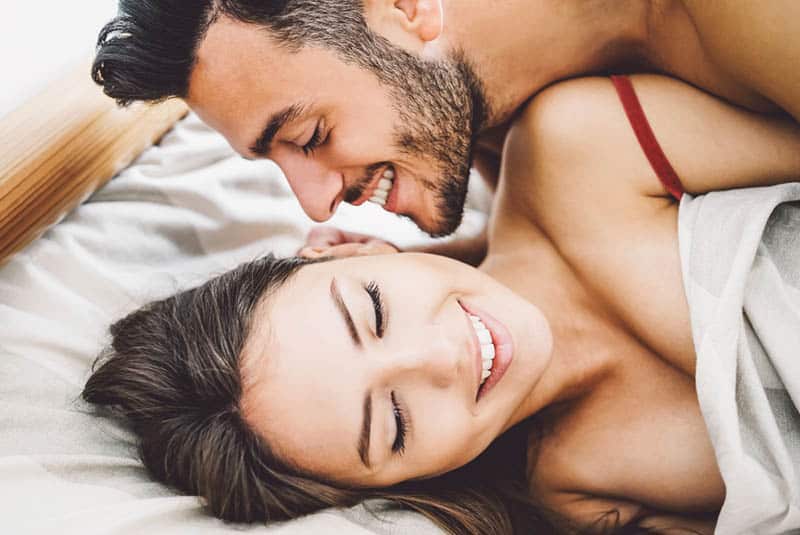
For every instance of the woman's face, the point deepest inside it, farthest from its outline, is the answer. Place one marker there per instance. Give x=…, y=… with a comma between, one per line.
x=367, y=370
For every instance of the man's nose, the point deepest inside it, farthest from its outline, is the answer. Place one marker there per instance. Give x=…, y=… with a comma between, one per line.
x=318, y=188
x=435, y=362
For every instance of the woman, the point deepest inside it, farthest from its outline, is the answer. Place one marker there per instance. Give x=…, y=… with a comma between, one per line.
x=550, y=391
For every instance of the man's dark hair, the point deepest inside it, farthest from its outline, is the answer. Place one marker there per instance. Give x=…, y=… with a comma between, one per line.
x=148, y=51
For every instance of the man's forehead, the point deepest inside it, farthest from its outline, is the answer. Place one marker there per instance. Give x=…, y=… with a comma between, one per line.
x=230, y=37
x=243, y=77
x=234, y=61
x=235, y=52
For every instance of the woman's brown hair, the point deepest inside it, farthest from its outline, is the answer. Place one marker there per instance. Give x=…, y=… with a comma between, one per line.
x=173, y=372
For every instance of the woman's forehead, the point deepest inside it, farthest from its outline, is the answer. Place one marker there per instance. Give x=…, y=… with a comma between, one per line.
x=306, y=406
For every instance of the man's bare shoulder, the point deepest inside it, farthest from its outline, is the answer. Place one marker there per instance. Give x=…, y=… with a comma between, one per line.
x=758, y=43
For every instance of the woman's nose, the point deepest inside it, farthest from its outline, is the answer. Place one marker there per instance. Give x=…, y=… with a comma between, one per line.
x=436, y=362
x=318, y=188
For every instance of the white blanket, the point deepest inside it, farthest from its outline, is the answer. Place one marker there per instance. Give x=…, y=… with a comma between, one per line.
x=184, y=211
x=740, y=252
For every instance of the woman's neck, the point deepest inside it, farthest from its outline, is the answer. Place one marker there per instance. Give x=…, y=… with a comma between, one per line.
x=581, y=356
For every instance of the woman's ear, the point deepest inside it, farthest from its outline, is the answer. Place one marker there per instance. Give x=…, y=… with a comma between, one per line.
x=407, y=23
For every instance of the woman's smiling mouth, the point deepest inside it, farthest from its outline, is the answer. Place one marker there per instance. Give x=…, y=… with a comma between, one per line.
x=494, y=350
x=487, y=347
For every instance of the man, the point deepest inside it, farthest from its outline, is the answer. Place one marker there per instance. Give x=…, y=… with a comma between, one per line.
x=392, y=101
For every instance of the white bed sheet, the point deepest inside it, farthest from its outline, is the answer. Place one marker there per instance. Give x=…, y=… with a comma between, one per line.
x=187, y=209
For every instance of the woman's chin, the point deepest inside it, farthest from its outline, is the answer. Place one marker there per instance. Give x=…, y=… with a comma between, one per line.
x=533, y=345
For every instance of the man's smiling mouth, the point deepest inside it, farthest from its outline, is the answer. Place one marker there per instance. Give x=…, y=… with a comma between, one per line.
x=383, y=188
x=369, y=190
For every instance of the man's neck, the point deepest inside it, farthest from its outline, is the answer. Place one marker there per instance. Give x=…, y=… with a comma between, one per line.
x=518, y=47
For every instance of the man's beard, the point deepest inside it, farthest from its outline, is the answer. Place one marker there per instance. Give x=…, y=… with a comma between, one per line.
x=442, y=108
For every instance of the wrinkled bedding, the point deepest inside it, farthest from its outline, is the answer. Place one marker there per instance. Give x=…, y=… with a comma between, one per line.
x=186, y=210
x=740, y=251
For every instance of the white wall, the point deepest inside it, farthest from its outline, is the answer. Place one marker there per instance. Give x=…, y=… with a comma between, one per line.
x=41, y=40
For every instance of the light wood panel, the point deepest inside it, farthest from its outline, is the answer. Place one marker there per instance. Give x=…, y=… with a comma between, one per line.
x=64, y=144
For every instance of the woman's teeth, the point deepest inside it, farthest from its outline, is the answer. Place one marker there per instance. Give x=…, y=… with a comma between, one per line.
x=381, y=192
x=487, y=346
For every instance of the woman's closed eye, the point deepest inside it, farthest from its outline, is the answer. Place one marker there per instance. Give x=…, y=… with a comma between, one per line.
x=402, y=424
x=374, y=293
x=401, y=416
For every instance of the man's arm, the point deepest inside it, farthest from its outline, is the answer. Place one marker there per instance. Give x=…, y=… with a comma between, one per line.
x=471, y=250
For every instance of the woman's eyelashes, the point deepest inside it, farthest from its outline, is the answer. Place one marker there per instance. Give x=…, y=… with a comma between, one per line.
x=401, y=423
x=401, y=418
x=374, y=293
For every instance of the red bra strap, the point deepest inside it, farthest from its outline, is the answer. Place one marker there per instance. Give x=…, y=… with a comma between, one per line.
x=633, y=109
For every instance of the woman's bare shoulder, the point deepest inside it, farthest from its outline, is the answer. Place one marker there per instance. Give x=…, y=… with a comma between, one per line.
x=573, y=166
x=573, y=143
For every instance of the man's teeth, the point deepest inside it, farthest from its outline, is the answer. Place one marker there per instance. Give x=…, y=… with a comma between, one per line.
x=385, y=184
x=487, y=346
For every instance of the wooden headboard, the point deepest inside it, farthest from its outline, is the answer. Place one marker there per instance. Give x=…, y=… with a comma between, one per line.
x=62, y=145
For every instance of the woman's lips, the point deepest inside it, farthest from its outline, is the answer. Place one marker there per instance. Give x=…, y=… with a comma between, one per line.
x=503, y=345
x=474, y=348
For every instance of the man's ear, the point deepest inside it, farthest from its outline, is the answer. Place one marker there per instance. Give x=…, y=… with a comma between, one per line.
x=408, y=23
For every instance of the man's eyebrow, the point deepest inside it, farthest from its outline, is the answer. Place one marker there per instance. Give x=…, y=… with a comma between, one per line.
x=366, y=426
x=348, y=319
x=276, y=121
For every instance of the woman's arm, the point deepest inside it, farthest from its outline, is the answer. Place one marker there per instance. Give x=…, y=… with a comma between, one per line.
x=713, y=145
x=583, y=131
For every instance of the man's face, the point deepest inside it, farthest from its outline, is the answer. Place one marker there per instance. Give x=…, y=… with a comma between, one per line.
x=338, y=130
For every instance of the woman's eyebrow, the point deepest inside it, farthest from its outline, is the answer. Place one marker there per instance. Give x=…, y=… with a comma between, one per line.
x=366, y=426
x=342, y=308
